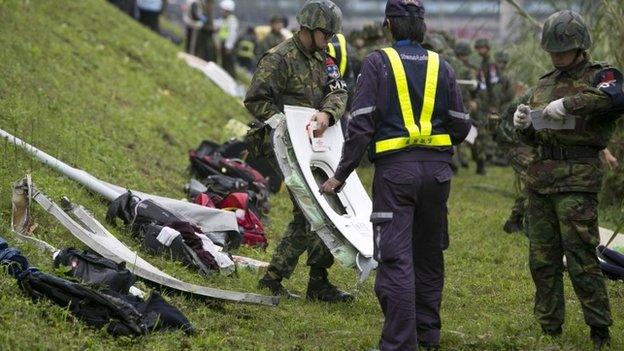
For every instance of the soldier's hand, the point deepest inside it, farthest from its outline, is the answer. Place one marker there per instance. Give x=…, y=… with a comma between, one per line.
x=322, y=123
x=522, y=117
x=609, y=159
x=555, y=111
x=330, y=186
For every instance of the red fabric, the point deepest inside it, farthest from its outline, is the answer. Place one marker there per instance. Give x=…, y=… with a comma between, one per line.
x=253, y=230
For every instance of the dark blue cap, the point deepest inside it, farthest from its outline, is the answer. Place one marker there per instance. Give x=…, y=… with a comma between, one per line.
x=399, y=8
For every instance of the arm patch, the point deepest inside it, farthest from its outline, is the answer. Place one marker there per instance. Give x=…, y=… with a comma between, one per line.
x=611, y=81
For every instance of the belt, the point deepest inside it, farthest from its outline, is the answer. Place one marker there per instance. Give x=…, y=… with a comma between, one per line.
x=567, y=152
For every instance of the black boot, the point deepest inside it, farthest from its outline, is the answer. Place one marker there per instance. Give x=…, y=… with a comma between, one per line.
x=481, y=167
x=513, y=225
x=600, y=337
x=552, y=331
x=319, y=288
x=273, y=282
x=427, y=346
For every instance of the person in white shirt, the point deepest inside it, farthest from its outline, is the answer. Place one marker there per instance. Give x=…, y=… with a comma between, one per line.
x=149, y=13
x=228, y=34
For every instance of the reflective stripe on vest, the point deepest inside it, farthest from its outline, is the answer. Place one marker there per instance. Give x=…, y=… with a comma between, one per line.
x=224, y=31
x=331, y=50
x=416, y=136
x=246, y=49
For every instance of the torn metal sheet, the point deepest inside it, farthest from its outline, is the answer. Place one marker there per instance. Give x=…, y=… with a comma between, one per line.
x=21, y=225
x=208, y=219
x=341, y=221
x=216, y=74
x=540, y=122
x=110, y=247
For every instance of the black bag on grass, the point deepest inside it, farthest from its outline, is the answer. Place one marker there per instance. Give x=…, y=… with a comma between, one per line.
x=94, y=269
x=91, y=306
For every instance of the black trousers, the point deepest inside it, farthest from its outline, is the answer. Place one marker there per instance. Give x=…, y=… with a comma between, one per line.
x=149, y=19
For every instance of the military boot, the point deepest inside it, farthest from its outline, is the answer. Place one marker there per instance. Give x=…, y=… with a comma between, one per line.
x=600, y=337
x=319, y=288
x=273, y=283
x=514, y=224
x=552, y=331
x=481, y=167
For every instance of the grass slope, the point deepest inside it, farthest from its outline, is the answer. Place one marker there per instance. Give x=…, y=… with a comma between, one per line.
x=88, y=85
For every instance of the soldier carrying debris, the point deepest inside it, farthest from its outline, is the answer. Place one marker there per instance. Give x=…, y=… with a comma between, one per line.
x=299, y=72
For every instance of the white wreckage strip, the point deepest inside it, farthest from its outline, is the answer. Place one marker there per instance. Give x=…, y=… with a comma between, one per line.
x=104, y=243
x=208, y=219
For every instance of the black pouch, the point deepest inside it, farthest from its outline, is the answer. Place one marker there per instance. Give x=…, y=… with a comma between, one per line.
x=94, y=269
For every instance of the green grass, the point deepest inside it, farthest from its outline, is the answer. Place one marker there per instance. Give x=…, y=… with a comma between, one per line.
x=99, y=91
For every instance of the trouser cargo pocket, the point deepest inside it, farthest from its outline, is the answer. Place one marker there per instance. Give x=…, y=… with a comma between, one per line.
x=381, y=222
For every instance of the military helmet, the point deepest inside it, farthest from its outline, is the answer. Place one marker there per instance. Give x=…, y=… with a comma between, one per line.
x=435, y=42
x=501, y=56
x=373, y=31
x=320, y=14
x=482, y=43
x=462, y=48
x=565, y=31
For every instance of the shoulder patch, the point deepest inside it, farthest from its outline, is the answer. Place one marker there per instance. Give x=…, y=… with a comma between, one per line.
x=332, y=69
x=611, y=81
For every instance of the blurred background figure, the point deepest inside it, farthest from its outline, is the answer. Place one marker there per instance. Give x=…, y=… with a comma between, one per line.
x=149, y=13
x=246, y=50
x=274, y=37
x=228, y=34
x=197, y=17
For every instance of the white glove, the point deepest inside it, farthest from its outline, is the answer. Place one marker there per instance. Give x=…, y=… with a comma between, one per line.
x=522, y=117
x=555, y=111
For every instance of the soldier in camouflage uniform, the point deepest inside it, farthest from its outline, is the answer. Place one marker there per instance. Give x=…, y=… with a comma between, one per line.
x=502, y=95
x=580, y=102
x=273, y=38
x=466, y=79
x=298, y=72
x=375, y=37
x=487, y=77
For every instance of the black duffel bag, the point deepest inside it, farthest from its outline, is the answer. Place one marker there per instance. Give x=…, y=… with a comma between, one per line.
x=94, y=269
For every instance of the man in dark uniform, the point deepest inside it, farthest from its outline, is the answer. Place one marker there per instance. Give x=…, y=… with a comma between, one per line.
x=408, y=105
x=570, y=117
x=298, y=72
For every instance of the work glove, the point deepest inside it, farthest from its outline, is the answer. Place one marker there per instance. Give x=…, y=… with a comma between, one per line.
x=522, y=117
x=555, y=111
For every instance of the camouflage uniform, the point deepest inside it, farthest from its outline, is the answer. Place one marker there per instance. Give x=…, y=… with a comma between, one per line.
x=465, y=73
x=520, y=157
x=564, y=180
x=290, y=75
x=486, y=81
x=502, y=95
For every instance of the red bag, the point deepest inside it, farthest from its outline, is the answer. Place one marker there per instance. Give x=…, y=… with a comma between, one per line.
x=253, y=230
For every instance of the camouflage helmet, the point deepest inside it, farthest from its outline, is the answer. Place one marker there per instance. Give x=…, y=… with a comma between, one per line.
x=565, y=31
x=320, y=14
x=501, y=56
x=482, y=43
x=462, y=48
x=373, y=31
x=435, y=42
